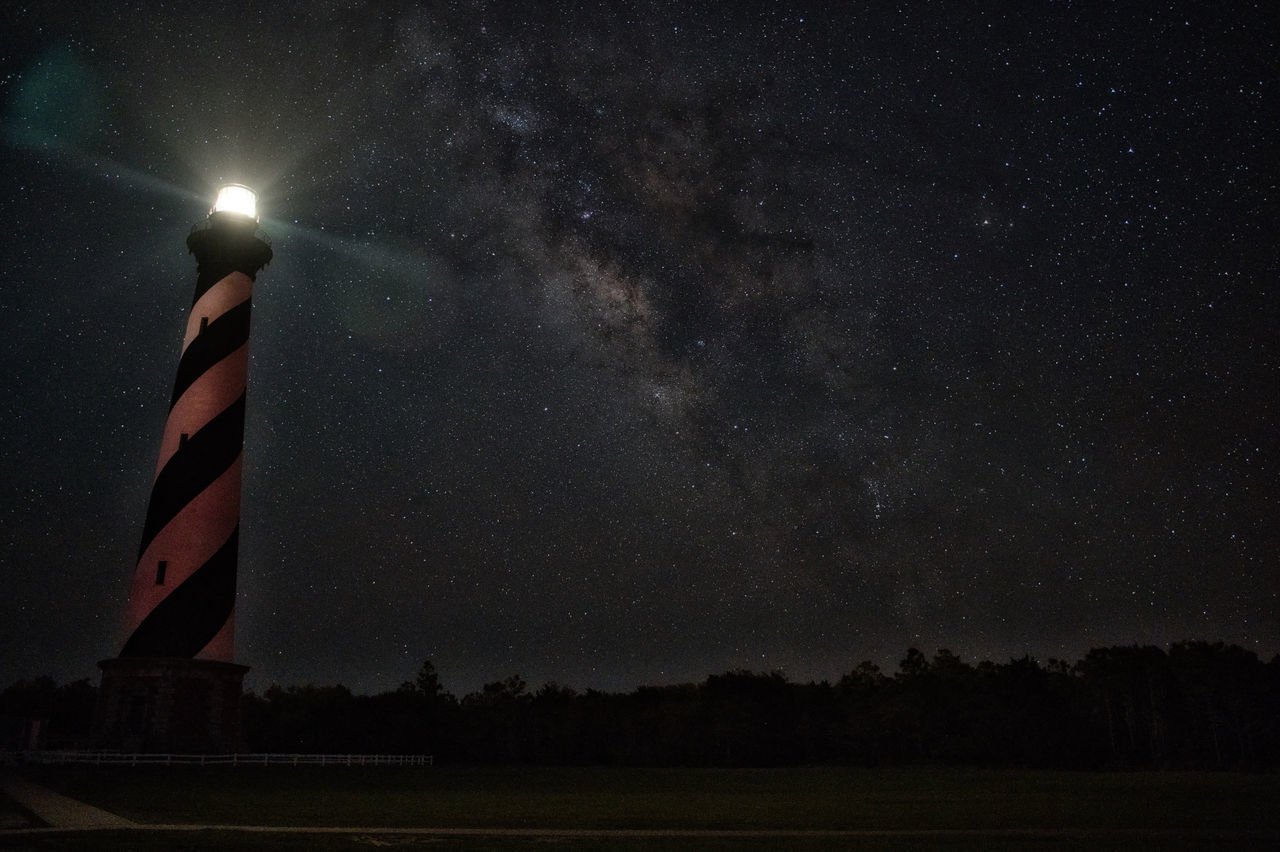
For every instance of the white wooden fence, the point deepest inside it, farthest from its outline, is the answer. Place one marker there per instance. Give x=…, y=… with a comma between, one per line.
x=105, y=758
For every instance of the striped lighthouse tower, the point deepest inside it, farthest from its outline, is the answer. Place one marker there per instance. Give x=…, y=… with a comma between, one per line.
x=174, y=685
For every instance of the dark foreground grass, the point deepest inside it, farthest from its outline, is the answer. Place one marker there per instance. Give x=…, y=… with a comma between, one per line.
x=609, y=798
x=11, y=815
x=1008, y=809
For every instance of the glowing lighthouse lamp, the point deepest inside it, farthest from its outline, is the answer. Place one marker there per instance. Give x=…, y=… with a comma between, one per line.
x=236, y=199
x=174, y=686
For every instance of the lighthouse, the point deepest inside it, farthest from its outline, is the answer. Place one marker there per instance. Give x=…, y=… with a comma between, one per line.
x=175, y=685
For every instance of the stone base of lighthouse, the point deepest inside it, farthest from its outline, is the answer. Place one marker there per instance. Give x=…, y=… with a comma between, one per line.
x=169, y=705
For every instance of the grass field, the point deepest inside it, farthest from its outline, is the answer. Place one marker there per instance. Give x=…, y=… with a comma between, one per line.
x=973, y=808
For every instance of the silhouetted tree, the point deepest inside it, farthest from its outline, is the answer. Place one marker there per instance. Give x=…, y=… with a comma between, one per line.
x=750, y=718
x=553, y=724
x=1221, y=685
x=907, y=700
x=1032, y=714
x=427, y=681
x=1134, y=697
x=860, y=726
x=304, y=719
x=65, y=712
x=495, y=720
x=1200, y=705
x=660, y=725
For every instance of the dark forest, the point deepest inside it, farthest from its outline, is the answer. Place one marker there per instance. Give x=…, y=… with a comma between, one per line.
x=1198, y=705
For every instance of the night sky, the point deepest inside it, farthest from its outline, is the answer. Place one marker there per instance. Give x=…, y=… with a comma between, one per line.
x=626, y=343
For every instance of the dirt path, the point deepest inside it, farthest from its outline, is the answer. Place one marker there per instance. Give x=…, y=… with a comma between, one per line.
x=57, y=810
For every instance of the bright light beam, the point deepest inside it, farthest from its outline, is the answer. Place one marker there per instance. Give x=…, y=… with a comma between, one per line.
x=238, y=199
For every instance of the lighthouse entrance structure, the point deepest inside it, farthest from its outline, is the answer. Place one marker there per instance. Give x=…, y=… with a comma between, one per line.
x=175, y=686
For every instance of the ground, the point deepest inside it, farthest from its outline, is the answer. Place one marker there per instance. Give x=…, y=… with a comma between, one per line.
x=603, y=808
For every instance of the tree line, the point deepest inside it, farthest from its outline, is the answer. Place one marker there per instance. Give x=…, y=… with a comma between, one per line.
x=1197, y=705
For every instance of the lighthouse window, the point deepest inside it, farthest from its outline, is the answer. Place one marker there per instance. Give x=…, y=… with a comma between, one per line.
x=160, y=569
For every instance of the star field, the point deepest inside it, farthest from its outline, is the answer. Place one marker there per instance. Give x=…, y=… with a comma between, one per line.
x=625, y=343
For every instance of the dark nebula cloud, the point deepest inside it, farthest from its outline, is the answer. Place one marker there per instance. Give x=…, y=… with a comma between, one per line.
x=623, y=343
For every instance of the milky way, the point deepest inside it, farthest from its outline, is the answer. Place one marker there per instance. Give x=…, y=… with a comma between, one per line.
x=627, y=343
